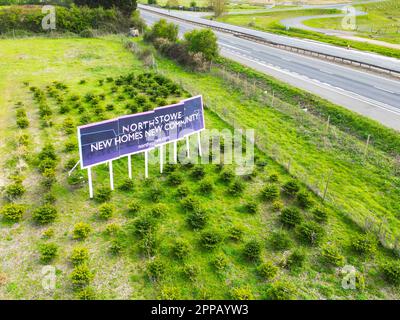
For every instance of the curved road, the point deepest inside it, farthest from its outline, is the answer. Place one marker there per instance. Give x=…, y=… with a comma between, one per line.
x=368, y=94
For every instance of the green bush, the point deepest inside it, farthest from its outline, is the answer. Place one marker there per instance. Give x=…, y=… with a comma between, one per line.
x=44, y=214
x=203, y=41
x=86, y=293
x=304, y=199
x=310, y=232
x=181, y=249
x=197, y=219
x=48, y=252
x=220, y=262
x=127, y=185
x=364, y=244
x=144, y=224
x=191, y=271
x=206, y=186
x=159, y=210
x=190, y=203
x=22, y=122
x=274, y=177
x=156, y=193
x=116, y=247
x=391, y=272
x=252, y=250
x=210, y=239
x=112, y=229
x=148, y=243
x=282, y=290
x=320, y=215
x=296, y=259
x=270, y=192
x=175, y=179
x=79, y=256
x=227, y=175
x=242, y=293
x=235, y=233
x=156, y=269
x=277, y=205
x=15, y=190
x=81, y=276
x=81, y=231
x=103, y=194
x=291, y=187
x=169, y=293
x=267, y=270
x=251, y=207
x=280, y=240
x=134, y=207
x=162, y=29
x=183, y=191
x=198, y=172
x=236, y=188
x=332, y=255
x=106, y=211
x=291, y=216
x=13, y=212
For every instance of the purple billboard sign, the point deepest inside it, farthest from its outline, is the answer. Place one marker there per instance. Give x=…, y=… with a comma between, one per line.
x=109, y=140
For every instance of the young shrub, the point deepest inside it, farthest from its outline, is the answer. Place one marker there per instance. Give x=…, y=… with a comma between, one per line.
x=86, y=293
x=304, y=199
x=112, y=229
x=331, y=255
x=148, y=244
x=76, y=179
x=220, y=262
x=227, y=175
x=277, y=205
x=236, y=188
x=79, y=255
x=296, y=259
x=169, y=293
x=210, y=239
x=198, y=172
x=310, y=232
x=235, y=233
x=13, y=212
x=183, y=191
x=175, y=179
x=48, y=152
x=156, y=193
x=364, y=244
x=191, y=271
x=48, y=252
x=242, y=293
x=49, y=178
x=282, y=290
x=22, y=122
x=162, y=29
x=134, y=207
x=48, y=234
x=320, y=215
x=144, y=225
x=106, y=211
x=270, y=192
x=156, y=269
x=15, y=190
x=181, y=249
x=23, y=140
x=252, y=250
x=159, y=210
x=81, y=276
x=81, y=231
x=190, y=203
x=267, y=270
x=103, y=194
x=291, y=217
x=273, y=177
x=115, y=247
x=280, y=240
x=206, y=186
x=44, y=214
x=127, y=185
x=251, y=207
x=291, y=187
x=197, y=219
x=202, y=41
x=68, y=126
x=391, y=272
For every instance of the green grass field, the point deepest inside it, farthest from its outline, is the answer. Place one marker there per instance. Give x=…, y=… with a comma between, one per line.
x=381, y=23
x=360, y=188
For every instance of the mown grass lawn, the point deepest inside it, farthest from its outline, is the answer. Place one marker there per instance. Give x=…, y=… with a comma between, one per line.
x=39, y=62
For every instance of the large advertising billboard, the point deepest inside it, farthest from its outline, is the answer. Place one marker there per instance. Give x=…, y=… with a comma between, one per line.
x=109, y=140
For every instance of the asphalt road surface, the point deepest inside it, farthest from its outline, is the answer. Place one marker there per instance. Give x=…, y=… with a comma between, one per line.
x=369, y=94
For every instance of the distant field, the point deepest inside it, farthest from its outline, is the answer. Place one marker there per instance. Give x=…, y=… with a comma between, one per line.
x=381, y=23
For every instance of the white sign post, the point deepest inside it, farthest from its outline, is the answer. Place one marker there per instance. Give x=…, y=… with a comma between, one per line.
x=187, y=146
x=146, y=164
x=130, y=166
x=199, y=143
x=89, y=171
x=175, y=151
x=110, y=165
x=161, y=158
